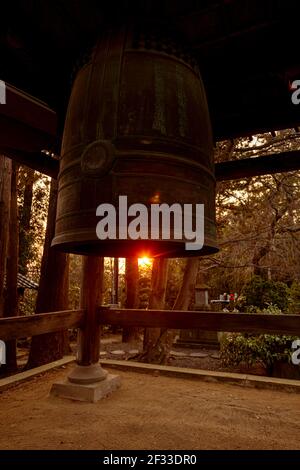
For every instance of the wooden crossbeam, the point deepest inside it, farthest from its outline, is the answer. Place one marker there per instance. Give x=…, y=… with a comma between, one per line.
x=265, y=165
x=38, y=161
x=209, y=321
x=18, y=327
x=231, y=170
x=20, y=107
x=27, y=126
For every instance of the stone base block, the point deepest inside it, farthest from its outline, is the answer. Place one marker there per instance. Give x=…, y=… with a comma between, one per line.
x=87, y=392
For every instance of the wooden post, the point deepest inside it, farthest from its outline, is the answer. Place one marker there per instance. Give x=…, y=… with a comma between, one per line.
x=88, y=381
x=5, y=195
x=88, y=369
x=89, y=337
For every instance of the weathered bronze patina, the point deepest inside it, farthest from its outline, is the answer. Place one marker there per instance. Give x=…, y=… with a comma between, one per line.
x=137, y=125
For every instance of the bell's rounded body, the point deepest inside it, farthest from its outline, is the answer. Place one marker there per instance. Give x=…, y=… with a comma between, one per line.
x=137, y=126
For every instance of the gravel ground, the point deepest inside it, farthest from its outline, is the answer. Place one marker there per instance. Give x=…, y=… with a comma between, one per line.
x=149, y=412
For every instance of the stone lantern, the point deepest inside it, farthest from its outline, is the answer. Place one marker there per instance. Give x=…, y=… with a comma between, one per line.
x=194, y=337
x=201, y=297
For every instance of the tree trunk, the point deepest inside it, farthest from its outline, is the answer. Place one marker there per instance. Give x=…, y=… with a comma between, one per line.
x=188, y=285
x=5, y=193
x=100, y=281
x=263, y=251
x=25, y=216
x=162, y=339
x=151, y=350
x=132, y=296
x=11, y=297
x=52, y=293
x=115, y=299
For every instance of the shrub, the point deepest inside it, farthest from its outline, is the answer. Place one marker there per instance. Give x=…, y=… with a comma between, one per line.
x=294, y=298
x=261, y=293
x=237, y=348
x=266, y=349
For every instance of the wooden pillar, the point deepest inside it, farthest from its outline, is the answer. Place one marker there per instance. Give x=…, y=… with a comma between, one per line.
x=5, y=195
x=88, y=381
x=88, y=369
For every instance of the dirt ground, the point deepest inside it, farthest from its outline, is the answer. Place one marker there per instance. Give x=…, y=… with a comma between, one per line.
x=149, y=412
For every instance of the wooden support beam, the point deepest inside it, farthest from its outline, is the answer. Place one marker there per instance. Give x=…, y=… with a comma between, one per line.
x=208, y=321
x=231, y=170
x=19, y=327
x=91, y=287
x=38, y=161
x=88, y=370
x=27, y=124
x=265, y=165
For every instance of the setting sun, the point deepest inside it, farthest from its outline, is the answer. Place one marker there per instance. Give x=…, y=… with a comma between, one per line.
x=145, y=262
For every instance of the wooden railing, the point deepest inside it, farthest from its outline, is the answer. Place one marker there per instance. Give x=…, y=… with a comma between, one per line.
x=33, y=325
x=209, y=321
x=16, y=327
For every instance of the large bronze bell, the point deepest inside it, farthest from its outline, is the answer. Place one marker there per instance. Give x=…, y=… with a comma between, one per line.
x=137, y=126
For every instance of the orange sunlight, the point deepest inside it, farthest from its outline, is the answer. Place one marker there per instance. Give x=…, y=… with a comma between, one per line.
x=145, y=262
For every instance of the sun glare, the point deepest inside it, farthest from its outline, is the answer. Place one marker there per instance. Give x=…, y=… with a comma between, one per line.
x=145, y=262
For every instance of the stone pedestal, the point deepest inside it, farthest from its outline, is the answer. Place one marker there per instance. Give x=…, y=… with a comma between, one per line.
x=87, y=392
x=86, y=383
x=87, y=374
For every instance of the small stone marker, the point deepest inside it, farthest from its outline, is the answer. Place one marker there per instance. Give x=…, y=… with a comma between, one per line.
x=133, y=351
x=22, y=362
x=177, y=353
x=118, y=352
x=201, y=355
x=215, y=355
